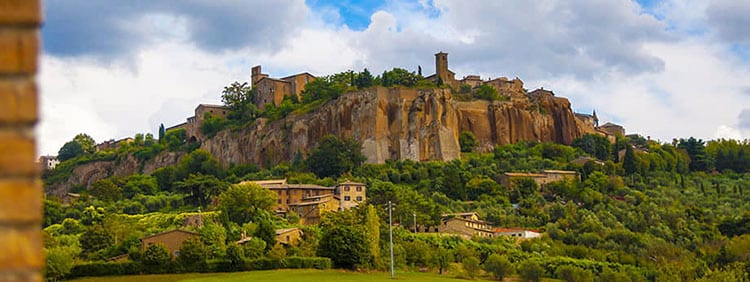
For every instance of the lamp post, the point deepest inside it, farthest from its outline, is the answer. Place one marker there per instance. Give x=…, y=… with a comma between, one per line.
x=390, y=235
x=415, y=222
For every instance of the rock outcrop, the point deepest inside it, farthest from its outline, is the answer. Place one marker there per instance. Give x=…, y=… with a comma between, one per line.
x=400, y=124
x=88, y=173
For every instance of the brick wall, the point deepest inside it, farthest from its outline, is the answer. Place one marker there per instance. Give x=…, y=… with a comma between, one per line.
x=21, y=256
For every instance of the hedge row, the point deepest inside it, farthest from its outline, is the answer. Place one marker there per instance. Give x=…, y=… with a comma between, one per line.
x=105, y=269
x=133, y=268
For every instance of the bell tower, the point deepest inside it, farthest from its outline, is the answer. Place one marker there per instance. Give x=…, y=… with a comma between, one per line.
x=441, y=66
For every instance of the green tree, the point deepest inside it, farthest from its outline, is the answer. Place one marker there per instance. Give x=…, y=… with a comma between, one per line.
x=499, y=266
x=236, y=256
x=106, y=190
x=140, y=184
x=59, y=262
x=254, y=248
x=162, y=133
x=696, y=150
x=530, y=271
x=198, y=162
x=471, y=266
x=442, y=258
x=246, y=202
x=193, y=254
x=88, y=145
x=629, y=162
x=266, y=231
x=364, y=79
x=199, y=188
x=69, y=150
x=345, y=245
x=571, y=273
x=238, y=97
x=486, y=92
x=334, y=157
x=212, y=124
x=467, y=141
x=156, y=258
x=214, y=237
x=595, y=145
x=95, y=240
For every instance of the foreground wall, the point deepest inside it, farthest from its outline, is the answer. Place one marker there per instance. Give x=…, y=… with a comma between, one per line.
x=21, y=257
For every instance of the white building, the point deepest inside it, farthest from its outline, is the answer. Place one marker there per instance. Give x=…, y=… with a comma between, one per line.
x=517, y=233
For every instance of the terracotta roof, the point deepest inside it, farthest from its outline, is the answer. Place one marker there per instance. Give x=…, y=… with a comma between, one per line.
x=349, y=183
x=285, y=230
x=514, y=229
x=294, y=75
x=559, y=171
x=523, y=174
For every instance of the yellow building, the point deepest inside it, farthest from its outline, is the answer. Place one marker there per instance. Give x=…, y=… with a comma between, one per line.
x=311, y=209
x=351, y=194
x=309, y=201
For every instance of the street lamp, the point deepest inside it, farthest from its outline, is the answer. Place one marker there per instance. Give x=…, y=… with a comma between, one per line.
x=415, y=222
x=390, y=235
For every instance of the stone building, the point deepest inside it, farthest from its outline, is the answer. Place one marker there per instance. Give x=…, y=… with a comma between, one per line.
x=311, y=209
x=113, y=144
x=612, y=129
x=542, y=178
x=289, y=236
x=309, y=201
x=193, y=131
x=466, y=225
x=172, y=240
x=48, y=162
x=273, y=90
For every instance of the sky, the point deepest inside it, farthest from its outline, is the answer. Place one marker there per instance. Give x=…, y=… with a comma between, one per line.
x=665, y=69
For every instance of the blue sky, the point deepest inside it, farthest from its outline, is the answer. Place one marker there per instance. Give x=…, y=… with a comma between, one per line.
x=660, y=68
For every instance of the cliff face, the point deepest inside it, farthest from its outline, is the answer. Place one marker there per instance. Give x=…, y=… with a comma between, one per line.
x=399, y=124
x=88, y=173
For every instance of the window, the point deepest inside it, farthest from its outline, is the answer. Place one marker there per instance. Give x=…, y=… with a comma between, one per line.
x=347, y=198
x=359, y=198
x=359, y=188
x=278, y=201
x=346, y=188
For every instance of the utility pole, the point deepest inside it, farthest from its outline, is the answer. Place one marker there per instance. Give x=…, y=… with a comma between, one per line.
x=415, y=222
x=390, y=226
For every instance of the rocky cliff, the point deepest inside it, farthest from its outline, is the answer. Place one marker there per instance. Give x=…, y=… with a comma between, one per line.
x=88, y=173
x=399, y=124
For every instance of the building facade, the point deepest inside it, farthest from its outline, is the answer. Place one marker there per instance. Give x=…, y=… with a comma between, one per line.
x=273, y=90
x=172, y=240
x=542, y=178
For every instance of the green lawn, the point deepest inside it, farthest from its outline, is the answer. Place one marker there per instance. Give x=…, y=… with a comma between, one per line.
x=302, y=275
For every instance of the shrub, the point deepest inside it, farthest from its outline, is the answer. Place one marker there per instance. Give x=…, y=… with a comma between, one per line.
x=571, y=273
x=157, y=259
x=471, y=266
x=530, y=271
x=499, y=266
x=105, y=269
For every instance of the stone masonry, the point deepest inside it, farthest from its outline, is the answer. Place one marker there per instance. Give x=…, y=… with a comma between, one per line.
x=21, y=256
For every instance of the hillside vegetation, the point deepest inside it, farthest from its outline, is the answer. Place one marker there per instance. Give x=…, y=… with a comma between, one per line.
x=642, y=211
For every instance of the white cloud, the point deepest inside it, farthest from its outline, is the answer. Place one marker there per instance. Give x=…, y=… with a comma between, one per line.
x=662, y=75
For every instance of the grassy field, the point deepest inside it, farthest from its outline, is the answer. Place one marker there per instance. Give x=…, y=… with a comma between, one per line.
x=301, y=275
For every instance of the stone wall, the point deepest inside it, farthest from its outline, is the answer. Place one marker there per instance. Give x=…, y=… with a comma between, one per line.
x=21, y=256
